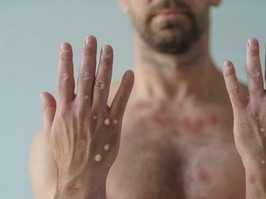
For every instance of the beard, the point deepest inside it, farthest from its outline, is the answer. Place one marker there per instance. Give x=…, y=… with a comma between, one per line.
x=170, y=36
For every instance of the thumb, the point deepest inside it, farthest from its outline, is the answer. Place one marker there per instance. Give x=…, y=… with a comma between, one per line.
x=48, y=110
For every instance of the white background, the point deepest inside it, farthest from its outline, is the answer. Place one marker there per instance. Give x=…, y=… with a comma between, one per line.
x=31, y=32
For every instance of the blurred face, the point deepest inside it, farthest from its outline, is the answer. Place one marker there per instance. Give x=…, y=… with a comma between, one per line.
x=169, y=26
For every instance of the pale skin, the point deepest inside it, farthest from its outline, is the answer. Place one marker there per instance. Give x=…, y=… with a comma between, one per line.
x=177, y=138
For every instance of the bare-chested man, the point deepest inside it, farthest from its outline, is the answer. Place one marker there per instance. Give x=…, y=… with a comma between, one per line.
x=177, y=138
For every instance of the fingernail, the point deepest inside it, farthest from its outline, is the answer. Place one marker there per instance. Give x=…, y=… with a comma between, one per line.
x=130, y=75
x=65, y=46
x=227, y=64
x=253, y=43
x=107, y=51
x=90, y=40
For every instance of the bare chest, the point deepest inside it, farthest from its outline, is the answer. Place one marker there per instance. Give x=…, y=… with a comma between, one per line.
x=173, y=157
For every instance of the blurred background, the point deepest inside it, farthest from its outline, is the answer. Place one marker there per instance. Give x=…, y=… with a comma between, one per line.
x=30, y=35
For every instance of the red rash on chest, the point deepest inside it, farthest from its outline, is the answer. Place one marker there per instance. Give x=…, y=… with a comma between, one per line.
x=196, y=127
x=142, y=105
x=161, y=121
x=193, y=127
x=213, y=120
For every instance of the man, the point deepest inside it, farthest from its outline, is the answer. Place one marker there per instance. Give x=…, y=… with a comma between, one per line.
x=177, y=139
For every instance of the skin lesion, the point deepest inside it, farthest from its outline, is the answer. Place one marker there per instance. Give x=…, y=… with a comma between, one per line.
x=136, y=142
x=252, y=179
x=196, y=127
x=203, y=176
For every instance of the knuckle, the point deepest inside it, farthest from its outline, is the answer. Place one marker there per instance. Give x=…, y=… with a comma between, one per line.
x=89, y=50
x=255, y=75
x=253, y=52
x=99, y=84
x=235, y=90
x=66, y=56
x=63, y=112
x=64, y=77
x=122, y=99
x=85, y=76
x=228, y=73
x=106, y=62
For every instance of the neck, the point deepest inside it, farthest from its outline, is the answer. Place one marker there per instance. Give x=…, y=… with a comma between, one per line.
x=166, y=76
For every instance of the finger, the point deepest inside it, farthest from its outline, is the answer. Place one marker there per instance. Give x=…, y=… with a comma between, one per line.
x=121, y=98
x=87, y=69
x=65, y=79
x=48, y=110
x=103, y=79
x=254, y=74
x=237, y=98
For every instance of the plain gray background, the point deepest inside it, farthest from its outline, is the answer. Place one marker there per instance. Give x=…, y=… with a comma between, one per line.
x=31, y=32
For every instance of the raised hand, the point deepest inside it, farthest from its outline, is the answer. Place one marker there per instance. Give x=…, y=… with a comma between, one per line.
x=250, y=120
x=82, y=130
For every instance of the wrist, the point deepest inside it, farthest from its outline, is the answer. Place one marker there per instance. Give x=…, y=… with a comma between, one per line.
x=79, y=191
x=89, y=193
x=84, y=187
